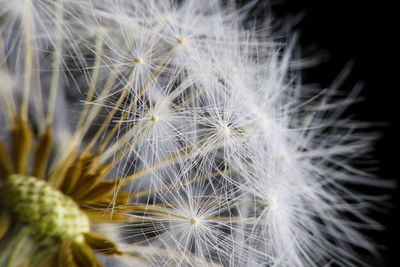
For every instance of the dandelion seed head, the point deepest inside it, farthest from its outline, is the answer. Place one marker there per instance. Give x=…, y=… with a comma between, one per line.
x=170, y=133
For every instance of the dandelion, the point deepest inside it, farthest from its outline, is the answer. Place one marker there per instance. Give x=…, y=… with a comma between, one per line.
x=168, y=133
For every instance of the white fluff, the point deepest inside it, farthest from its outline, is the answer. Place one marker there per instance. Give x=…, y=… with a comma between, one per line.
x=238, y=163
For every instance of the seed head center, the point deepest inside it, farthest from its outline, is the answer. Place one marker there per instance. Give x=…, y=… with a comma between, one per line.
x=138, y=60
x=181, y=41
x=48, y=211
x=194, y=221
x=154, y=118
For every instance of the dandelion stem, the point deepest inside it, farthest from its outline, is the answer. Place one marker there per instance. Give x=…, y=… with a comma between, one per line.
x=169, y=186
x=21, y=136
x=131, y=106
x=95, y=110
x=27, y=24
x=17, y=247
x=56, y=63
x=110, y=116
x=92, y=86
x=146, y=251
x=42, y=153
x=8, y=105
x=6, y=166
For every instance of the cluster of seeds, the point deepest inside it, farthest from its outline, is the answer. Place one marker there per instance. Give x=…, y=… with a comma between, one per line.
x=49, y=212
x=170, y=133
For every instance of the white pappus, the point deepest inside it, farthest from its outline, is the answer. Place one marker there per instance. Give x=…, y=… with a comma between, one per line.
x=184, y=137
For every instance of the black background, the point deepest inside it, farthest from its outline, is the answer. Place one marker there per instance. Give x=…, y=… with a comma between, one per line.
x=363, y=32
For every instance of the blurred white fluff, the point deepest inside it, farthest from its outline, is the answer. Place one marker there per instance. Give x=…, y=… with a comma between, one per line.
x=238, y=163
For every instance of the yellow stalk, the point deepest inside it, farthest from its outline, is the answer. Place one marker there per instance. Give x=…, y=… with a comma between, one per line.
x=27, y=24
x=8, y=105
x=146, y=251
x=184, y=182
x=95, y=110
x=56, y=63
x=133, y=104
x=80, y=128
x=106, y=89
